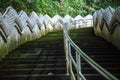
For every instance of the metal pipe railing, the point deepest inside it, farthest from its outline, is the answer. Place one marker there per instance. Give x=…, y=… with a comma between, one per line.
x=68, y=43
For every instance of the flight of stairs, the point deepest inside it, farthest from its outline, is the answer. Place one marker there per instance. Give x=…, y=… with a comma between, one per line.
x=104, y=53
x=41, y=59
x=44, y=58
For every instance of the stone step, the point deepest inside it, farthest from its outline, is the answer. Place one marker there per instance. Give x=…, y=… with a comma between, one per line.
x=48, y=76
x=29, y=66
x=25, y=71
x=34, y=58
x=36, y=62
x=30, y=55
x=99, y=60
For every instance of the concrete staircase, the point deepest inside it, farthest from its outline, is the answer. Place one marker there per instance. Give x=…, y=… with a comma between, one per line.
x=101, y=51
x=41, y=59
x=44, y=58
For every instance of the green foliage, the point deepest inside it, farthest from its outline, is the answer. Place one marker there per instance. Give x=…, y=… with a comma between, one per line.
x=61, y=7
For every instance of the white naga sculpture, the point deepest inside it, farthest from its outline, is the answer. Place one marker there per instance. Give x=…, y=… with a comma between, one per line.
x=107, y=24
x=17, y=28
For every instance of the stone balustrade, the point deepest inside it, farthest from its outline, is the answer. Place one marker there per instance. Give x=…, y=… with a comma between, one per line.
x=106, y=24
x=17, y=28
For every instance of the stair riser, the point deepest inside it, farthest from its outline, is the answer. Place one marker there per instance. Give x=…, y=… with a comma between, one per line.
x=33, y=66
x=28, y=72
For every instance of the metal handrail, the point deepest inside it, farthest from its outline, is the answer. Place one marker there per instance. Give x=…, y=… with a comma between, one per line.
x=68, y=43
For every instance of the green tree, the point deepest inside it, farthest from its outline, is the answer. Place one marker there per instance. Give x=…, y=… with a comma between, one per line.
x=61, y=7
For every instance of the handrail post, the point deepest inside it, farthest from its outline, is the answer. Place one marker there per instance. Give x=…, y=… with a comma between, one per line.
x=78, y=61
x=66, y=50
x=71, y=69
